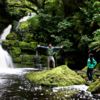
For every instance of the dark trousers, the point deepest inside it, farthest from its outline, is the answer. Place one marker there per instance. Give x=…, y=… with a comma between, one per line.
x=90, y=74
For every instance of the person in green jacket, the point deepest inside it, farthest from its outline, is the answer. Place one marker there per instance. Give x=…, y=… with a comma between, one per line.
x=50, y=53
x=91, y=63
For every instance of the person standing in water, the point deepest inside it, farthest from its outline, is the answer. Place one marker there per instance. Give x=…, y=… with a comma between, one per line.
x=50, y=52
x=91, y=63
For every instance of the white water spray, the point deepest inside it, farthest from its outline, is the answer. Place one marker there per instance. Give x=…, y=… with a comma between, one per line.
x=6, y=32
x=25, y=18
x=5, y=59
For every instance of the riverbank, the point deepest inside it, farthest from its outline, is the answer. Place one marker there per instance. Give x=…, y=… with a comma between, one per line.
x=62, y=79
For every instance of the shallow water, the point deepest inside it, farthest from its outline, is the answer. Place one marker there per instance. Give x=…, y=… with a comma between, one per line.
x=14, y=86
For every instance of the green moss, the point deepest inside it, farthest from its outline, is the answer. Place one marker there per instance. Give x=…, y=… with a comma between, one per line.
x=8, y=44
x=28, y=37
x=17, y=60
x=95, y=87
x=27, y=63
x=24, y=60
x=98, y=66
x=27, y=46
x=60, y=76
x=19, y=8
x=24, y=25
x=96, y=4
x=33, y=45
x=34, y=21
x=12, y=36
x=84, y=69
x=24, y=45
x=15, y=51
x=27, y=59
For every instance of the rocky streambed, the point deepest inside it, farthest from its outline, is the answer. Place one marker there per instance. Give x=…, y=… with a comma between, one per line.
x=15, y=86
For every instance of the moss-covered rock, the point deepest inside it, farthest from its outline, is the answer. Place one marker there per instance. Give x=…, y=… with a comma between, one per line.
x=27, y=59
x=33, y=45
x=24, y=25
x=59, y=76
x=95, y=87
x=10, y=43
x=15, y=51
x=34, y=22
x=17, y=59
x=19, y=8
x=98, y=66
x=28, y=37
x=12, y=36
x=24, y=45
x=27, y=46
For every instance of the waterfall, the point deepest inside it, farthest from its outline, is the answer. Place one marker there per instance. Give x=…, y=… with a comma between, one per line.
x=25, y=18
x=5, y=58
x=6, y=32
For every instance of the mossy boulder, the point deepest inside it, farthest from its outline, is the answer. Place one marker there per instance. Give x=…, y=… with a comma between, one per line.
x=15, y=51
x=19, y=8
x=24, y=45
x=27, y=46
x=12, y=36
x=10, y=43
x=28, y=37
x=24, y=25
x=17, y=59
x=95, y=87
x=34, y=22
x=59, y=76
x=33, y=45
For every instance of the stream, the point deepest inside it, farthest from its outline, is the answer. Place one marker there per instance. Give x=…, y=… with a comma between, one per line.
x=14, y=86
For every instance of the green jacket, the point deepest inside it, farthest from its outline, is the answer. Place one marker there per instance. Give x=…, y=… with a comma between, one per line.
x=91, y=65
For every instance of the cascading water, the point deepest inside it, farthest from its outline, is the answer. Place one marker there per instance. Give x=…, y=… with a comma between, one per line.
x=6, y=32
x=25, y=18
x=5, y=59
x=6, y=64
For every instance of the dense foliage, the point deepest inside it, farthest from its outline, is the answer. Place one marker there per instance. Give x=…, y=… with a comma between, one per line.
x=74, y=24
